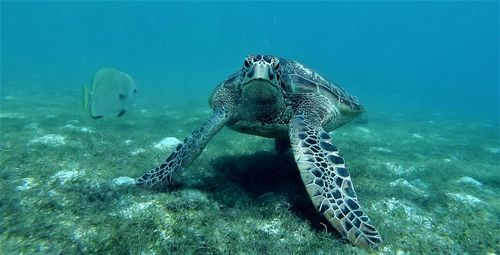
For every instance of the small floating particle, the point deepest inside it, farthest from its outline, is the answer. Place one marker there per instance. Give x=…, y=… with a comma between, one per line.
x=137, y=151
x=86, y=130
x=493, y=150
x=69, y=126
x=380, y=149
x=363, y=130
x=417, y=136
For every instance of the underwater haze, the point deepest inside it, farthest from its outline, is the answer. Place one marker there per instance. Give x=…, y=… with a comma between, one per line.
x=424, y=157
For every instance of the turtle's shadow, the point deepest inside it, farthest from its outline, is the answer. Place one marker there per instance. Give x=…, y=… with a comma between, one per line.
x=262, y=174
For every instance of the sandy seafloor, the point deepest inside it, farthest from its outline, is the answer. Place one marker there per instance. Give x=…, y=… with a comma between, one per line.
x=429, y=183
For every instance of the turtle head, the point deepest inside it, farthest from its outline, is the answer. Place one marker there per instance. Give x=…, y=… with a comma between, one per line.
x=261, y=79
x=261, y=67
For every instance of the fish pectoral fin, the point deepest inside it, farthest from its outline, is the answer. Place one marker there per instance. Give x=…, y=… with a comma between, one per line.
x=121, y=113
x=96, y=117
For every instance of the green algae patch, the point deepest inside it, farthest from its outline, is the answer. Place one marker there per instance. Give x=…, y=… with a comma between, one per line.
x=428, y=186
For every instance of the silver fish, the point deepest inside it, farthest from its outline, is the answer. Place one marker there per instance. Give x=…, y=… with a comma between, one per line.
x=111, y=93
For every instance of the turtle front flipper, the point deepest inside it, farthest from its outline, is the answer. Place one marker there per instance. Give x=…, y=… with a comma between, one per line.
x=328, y=182
x=184, y=154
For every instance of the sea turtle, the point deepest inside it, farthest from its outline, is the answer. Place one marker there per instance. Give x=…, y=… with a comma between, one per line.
x=282, y=99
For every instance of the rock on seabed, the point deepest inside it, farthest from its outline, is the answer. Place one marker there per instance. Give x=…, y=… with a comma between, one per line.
x=167, y=143
x=52, y=140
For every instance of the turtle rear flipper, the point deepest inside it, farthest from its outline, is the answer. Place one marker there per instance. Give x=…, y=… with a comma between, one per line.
x=328, y=182
x=184, y=154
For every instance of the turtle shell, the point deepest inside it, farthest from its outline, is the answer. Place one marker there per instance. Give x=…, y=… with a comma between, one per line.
x=298, y=78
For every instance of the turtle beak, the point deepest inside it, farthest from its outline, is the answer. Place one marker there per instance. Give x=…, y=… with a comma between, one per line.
x=261, y=73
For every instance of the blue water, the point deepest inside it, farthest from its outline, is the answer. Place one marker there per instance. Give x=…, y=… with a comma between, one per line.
x=424, y=160
x=415, y=57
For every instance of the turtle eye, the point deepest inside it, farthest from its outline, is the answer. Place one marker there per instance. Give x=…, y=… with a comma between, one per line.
x=247, y=64
x=276, y=67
